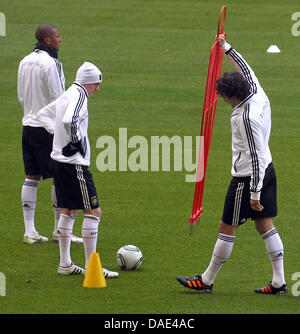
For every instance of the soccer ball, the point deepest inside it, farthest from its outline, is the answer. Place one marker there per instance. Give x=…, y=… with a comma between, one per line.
x=129, y=257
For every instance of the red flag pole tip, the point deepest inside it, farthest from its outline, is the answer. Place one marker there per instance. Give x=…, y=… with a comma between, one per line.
x=222, y=13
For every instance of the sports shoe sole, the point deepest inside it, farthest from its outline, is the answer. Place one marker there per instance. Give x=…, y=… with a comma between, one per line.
x=194, y=284
x=31, y=241
x=270, y=290
x=72, y=270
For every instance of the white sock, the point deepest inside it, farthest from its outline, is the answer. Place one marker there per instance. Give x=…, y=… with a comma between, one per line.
x=275, y=250
x=89, y=235
x=28, y=197
x=64, y=233
x=221, y=253
x=56, y=210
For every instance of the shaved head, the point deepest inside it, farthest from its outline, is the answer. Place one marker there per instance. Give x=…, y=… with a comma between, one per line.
x=48, y=34
x=43, y=31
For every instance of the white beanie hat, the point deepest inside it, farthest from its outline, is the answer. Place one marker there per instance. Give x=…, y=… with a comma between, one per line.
x=88, y=73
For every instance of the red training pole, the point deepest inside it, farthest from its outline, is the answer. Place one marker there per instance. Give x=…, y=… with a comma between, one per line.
x=207, y=122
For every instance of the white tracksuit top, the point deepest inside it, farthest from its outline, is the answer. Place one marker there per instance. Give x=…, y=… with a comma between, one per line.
x=251, y=127
x=41, y=80
x=67, y=118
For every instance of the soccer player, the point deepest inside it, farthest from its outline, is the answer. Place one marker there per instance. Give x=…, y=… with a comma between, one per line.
x=252, y=191
x=40, y=81
x=71, y=154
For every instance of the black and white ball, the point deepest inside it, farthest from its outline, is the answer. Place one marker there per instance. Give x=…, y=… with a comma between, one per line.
x=129, y=257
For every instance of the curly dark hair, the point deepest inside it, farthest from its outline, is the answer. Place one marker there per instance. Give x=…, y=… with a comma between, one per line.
x=233, y=85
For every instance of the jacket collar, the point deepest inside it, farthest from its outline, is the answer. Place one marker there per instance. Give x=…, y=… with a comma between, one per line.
x=244, y=101
x=79, y=85
x=51, y=51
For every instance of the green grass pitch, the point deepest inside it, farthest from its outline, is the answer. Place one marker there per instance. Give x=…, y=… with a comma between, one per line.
x=154, y=58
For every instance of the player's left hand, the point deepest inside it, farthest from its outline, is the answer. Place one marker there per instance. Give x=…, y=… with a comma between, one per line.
x=255, y=205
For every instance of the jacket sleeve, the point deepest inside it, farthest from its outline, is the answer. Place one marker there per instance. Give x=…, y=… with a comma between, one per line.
x=241, y=66
x=72, y=117
x=252, y=122
x=253, y=127
x=20, y=85
x=47, y=117
x=54, y=83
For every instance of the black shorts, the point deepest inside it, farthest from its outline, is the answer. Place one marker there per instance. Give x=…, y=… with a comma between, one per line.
x=237, y=207
x=36, y=148
x=74, y=186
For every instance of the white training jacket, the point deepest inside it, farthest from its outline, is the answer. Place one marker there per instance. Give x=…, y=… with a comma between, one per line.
x=41, y=80
x=67, y=119
x=251, y=127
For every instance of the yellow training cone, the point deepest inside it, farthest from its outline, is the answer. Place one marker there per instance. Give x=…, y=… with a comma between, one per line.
x=94, y=277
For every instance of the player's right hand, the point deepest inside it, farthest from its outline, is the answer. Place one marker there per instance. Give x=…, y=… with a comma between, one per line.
x=221, y=40
x=72, y=148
